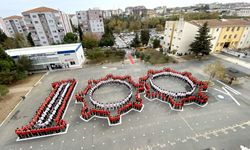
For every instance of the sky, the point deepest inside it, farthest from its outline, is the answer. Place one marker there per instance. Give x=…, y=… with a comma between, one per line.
x=15, y=7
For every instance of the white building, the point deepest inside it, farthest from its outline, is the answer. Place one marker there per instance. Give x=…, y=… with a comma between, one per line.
x=15, y=25
x=178, y=35
x=245, y=38
x=91, y=21
x=47, y=25
x=245, y=12
x=52, y=57
x=3, y=27
x=73, y=19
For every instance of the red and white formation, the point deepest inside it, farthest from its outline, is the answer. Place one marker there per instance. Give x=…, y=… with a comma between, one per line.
x=132, y=101
x=48, y=118
x=154, y=92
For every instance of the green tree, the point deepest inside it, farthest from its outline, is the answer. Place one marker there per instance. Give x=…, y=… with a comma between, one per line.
x=21, y=41
x=30, y=40
x=80, y=33
x=144, y=36
x=9, y=43
x=7, y=68
x=135, y=26
x=3, y=90
x=159, y=27
x=136, y=41
x=70, y=38
x=24, y=64
x=90, y=41
x=107, y=38
x=202, y=42
x=156, y=43
x=3, y=37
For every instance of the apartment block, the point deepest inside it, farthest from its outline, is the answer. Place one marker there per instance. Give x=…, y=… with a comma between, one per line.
x=91, y=21
x=47, y=26
x=225, y=33
x=3, y=27
x=178, y=35
x=15, y=25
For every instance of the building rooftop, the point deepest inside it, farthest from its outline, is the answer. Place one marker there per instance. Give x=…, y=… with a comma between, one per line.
x=43, y=49
x=222, y=22
x=13, y=17
x=40, y=9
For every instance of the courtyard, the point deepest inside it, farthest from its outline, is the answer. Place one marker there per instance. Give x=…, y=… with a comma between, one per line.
x=222, y=124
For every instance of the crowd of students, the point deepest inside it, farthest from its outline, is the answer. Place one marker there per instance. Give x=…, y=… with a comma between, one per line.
x=171, y=93
x=111, y=105
x=48, y=118
x=103, y=109
x=176, y=99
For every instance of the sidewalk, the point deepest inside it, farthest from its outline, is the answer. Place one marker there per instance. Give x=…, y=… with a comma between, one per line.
x=233, y=60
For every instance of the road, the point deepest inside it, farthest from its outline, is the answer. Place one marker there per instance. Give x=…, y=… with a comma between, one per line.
x=222, y=124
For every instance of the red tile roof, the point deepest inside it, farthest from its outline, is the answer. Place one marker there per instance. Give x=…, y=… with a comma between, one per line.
x=40, y=9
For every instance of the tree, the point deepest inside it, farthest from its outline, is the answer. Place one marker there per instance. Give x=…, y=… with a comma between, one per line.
x=7, y=68
x=80, y=33
x=202, y=42
x=144, y=36
x=136, y=41
x=159, y=27
x=215, y=70
x=30, y=40
x=135, y=26
x=24, y=64
x=3, y=37
x=70, y=38
x=9, y=43
x=156, y=43
x=20, y=41
x=90, y=41
x=107, y=38
x=3, y=90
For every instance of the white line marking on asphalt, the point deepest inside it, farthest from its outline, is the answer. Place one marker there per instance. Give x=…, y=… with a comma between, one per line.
x=186, y=123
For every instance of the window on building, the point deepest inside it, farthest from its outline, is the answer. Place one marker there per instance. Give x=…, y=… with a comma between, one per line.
x=232, y=29
x=228, y=28
x=230, y=36
x=36, y=22
x=217, y=29
x=56, y=36
x=221, y=44
x=16, y=20
x=238, y=28
x=34, y=16
x=44, y=42
x=225, y=36
x=42, y=37
x=217, y=44
x=235, y=35
x=72, y=62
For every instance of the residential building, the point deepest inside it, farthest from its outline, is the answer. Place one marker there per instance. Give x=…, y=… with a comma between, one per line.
x=3, y=27
x=161, y=10
x=107, y=14
x=91, y=21
x=225, y=33
x=178, y=35
x=51, y=57
x=244, y=12
x=74, y=19
x=47, y=26
x=16, y=25
x=151, y=13
x=137, y=11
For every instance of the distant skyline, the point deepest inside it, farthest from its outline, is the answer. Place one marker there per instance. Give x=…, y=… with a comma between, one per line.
x=15, y=7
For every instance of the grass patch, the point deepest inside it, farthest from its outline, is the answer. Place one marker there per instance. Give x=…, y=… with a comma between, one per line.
x=154, y=57
x=101, y=55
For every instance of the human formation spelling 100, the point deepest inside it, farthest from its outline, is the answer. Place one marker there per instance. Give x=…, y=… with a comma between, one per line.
x=48, y=119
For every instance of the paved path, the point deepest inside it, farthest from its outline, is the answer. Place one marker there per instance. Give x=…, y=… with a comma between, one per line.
x=233, y=60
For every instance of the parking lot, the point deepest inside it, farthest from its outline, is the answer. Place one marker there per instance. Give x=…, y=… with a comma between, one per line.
x=222, y=124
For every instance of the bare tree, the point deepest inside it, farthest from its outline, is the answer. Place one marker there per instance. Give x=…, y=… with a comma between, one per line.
x=215, y=70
